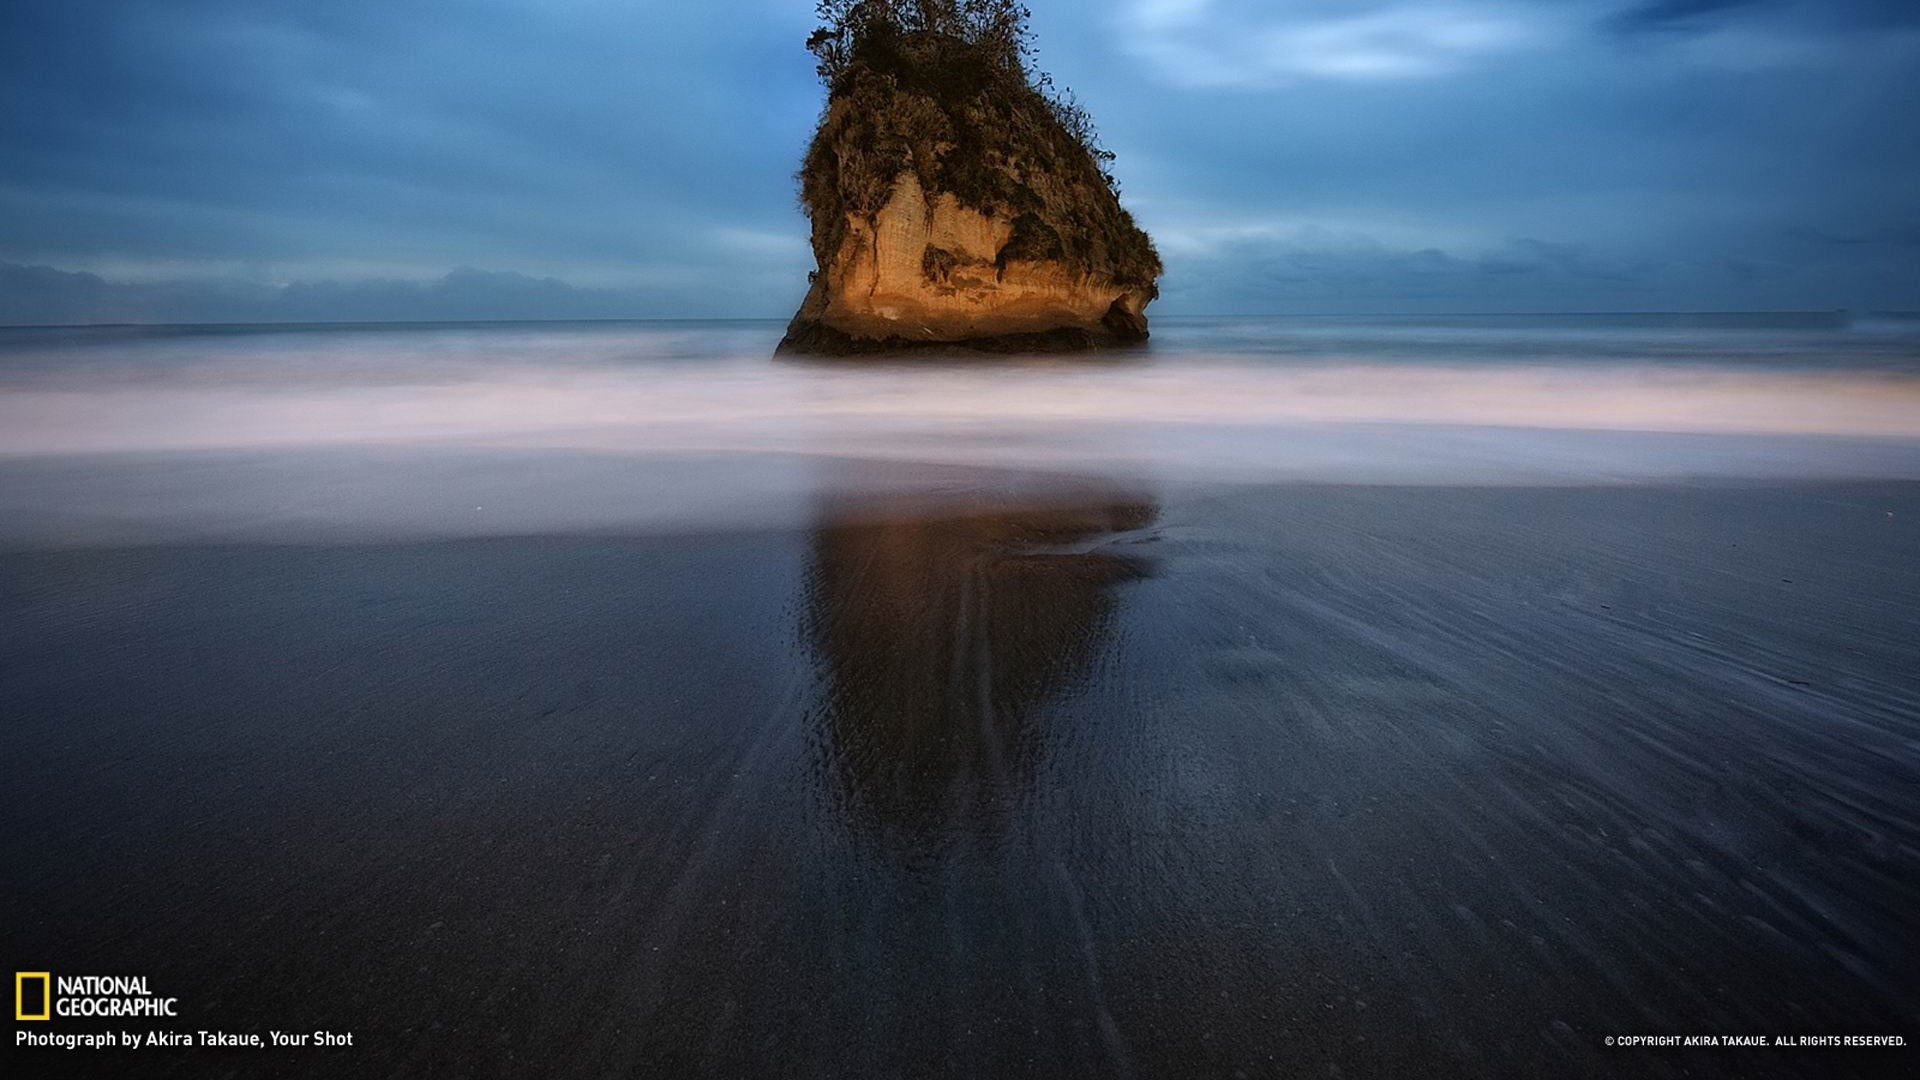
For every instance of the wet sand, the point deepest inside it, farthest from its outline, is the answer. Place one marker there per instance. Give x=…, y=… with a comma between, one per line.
x=1115, y=780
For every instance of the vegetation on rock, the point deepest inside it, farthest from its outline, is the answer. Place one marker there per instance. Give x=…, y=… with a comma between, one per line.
x=945, y=88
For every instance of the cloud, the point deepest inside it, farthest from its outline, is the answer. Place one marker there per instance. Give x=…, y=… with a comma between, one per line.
x=1896, y=235
x=580, y=139
x=621, y=158
x=1737, y=36
x=1310, y=269
x=1260, y=269
x=1695, y=16
x=1207, y=43
x=1653, y=15
x=41, y=295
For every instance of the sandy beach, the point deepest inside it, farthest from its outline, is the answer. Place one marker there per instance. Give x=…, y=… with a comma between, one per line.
x=1379, y=697
x=1106, y=781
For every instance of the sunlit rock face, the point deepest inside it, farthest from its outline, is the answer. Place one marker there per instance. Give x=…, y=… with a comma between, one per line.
x=951, y=206
x=925, y=269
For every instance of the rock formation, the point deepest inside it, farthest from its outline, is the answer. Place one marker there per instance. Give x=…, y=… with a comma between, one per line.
x=955, y=200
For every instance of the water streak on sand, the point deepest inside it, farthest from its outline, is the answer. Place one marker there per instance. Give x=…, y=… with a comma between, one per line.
x=738, y=403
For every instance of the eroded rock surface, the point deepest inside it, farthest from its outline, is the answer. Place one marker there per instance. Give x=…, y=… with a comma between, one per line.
x=952, y=207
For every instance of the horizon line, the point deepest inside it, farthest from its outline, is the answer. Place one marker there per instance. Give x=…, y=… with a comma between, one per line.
x=1841, y=311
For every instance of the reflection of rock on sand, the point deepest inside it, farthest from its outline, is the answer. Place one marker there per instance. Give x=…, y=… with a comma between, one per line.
x=940, y=630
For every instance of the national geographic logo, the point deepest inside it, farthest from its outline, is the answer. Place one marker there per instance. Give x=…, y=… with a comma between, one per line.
x=30, y=987
x=38, y=995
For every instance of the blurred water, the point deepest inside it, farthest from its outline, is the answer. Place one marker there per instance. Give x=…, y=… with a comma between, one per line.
x=520, y=427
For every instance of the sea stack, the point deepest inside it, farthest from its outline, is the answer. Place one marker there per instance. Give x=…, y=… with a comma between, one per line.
x=958, y=200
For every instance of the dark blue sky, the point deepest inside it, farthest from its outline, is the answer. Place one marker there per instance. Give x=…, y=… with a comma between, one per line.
x=251, y=158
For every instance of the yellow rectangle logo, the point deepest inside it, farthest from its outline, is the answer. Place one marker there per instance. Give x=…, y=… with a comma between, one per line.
x=20, y=981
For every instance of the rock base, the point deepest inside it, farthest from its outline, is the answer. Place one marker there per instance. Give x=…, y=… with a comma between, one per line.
x=811, y=334
x=812, y=337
